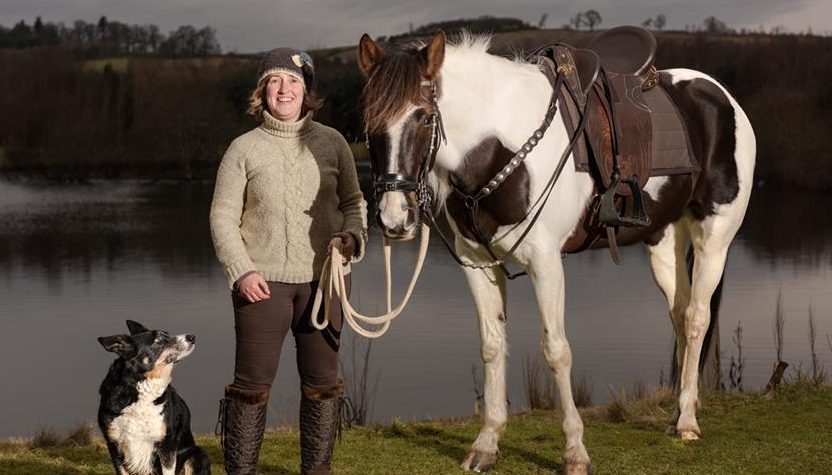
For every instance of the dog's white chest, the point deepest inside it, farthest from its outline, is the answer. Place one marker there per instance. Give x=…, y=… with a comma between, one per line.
x=137, y=430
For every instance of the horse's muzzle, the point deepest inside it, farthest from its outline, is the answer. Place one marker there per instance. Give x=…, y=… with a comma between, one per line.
x=398, y=215
x=399, y=232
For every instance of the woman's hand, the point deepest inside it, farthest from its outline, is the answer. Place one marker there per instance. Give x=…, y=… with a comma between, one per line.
x=347, y=246
x=254, y=288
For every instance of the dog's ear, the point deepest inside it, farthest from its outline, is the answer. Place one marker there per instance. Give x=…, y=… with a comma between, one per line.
x=118, y=344
x=135, y=327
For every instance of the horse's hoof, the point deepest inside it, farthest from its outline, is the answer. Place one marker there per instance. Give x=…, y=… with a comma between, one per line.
x=688, y=435
x=478, y=461
x=576, y=469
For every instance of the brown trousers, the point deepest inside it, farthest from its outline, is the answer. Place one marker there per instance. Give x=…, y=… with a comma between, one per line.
x=261, y=328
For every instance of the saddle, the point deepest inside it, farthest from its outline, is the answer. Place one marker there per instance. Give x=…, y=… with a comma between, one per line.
x=633, y=130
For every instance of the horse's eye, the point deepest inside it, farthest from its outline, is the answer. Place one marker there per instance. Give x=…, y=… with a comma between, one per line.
x=427, y=120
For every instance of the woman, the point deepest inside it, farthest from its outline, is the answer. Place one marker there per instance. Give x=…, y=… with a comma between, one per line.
x=284, y=192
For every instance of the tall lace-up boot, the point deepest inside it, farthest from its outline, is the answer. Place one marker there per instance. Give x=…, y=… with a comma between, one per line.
x=319, y=420
x=242, y=420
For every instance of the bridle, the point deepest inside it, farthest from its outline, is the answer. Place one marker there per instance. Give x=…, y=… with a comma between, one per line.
x=399, y=182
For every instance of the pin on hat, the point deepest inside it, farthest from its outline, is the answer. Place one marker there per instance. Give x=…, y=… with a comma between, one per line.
x=291, y=61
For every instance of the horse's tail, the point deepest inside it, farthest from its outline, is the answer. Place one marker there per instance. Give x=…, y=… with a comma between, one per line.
x=709, y=369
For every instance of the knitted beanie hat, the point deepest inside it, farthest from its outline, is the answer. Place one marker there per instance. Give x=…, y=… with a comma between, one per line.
x=288, y=60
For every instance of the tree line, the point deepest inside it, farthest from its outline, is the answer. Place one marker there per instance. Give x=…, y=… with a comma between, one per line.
x=108, y=38
x=72, y=115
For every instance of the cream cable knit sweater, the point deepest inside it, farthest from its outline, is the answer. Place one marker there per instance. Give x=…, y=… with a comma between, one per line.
x=282, y=189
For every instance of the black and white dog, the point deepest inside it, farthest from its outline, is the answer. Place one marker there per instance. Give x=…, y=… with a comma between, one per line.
x=145, y=423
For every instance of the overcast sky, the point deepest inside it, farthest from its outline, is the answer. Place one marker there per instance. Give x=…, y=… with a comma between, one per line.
x=258, y=25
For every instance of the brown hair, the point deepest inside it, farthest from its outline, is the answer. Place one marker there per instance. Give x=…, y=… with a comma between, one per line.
x=394, y=83
x=257, y=101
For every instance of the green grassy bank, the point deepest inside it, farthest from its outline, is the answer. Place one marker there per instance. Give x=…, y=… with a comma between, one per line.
x=789, y=431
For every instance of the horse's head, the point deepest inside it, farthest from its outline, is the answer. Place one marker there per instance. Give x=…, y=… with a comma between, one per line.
x=403, y=127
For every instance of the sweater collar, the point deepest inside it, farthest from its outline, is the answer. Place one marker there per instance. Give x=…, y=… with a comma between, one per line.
x=279, y=128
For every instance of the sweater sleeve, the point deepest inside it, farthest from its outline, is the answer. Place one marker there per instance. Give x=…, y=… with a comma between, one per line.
x=352, y=204
x=226, y=215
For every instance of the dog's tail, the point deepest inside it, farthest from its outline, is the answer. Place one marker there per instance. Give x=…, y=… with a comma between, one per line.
x=193, y=460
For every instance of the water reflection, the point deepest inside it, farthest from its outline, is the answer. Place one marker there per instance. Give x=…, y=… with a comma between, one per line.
x=106, y=223
x=791, y=227
x=76, y=261
x=111, y=224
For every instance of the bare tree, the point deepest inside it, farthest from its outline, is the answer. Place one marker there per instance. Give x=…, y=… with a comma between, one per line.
x=593, y=19
x=660, y=21
x=154, y=38
x=188, y=41
x=816, y=366
x=779, y=366
x=779, y=323
x=360, y=378
x=542, y=22
x=647, y=23
x=737, y=365
x=714, y=25
x=577, y=21
x=102, y=28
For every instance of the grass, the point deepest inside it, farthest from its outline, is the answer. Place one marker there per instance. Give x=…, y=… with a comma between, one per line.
x=788, y=431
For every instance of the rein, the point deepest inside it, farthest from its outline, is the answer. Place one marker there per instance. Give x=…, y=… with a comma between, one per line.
x=332, y=278
x=472, y=201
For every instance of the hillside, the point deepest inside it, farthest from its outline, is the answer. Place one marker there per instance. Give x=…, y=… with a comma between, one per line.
x=144, y=116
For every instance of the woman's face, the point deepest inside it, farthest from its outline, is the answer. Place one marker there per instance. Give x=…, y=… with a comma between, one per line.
x=284, y=96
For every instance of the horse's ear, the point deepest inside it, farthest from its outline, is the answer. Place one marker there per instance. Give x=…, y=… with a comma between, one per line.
x=369, y=54
x=433, y=54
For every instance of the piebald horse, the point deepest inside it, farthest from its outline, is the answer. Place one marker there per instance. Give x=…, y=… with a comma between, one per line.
x=488, y=106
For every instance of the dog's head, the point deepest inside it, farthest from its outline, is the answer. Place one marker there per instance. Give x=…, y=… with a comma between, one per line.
x=151, y=353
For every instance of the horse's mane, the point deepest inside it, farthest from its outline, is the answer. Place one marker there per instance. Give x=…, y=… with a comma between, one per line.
x=395, y=81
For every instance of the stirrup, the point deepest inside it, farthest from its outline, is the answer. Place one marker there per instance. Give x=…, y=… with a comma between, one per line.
x=608, y=215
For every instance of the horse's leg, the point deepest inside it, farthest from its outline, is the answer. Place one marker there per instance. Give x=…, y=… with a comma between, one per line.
x=488, y=286
x=667, y=261
x=710, y=239
x=547, y=278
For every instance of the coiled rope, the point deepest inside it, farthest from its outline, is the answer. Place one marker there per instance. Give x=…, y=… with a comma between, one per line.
x=332, y=284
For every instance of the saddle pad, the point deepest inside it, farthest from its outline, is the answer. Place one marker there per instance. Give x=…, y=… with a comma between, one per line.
x=671, y=147
x=670, y=150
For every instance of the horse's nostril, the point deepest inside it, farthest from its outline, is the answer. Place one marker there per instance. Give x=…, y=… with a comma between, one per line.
x=190, y=338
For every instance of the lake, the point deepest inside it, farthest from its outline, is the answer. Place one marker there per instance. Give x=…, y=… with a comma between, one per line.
x=76, y=261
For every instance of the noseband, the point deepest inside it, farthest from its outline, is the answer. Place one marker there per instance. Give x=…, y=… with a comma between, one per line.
x=398, y=182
